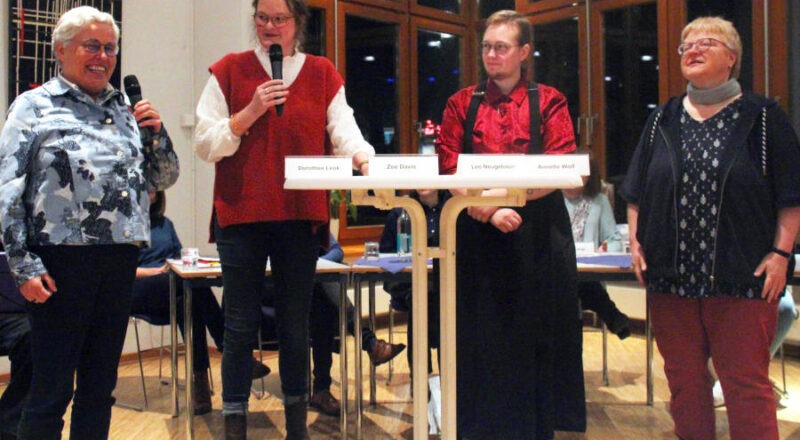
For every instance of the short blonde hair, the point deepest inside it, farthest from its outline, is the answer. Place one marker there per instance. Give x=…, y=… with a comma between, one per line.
x=723, y=29
x=513, y=18
x=74, y=20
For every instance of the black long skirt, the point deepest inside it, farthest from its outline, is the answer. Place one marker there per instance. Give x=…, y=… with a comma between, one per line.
x=520, y=372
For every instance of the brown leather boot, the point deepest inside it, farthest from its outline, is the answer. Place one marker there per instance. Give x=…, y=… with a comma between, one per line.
x=202, y=393
x=296, y=421
x=383, y=352
x=236, y=427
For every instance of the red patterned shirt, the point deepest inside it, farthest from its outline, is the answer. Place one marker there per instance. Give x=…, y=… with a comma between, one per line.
x=503, y=124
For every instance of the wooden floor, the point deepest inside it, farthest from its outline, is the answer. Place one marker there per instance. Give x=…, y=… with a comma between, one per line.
x=615, y=412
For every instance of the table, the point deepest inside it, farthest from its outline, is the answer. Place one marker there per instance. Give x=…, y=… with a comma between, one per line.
x=208, y=276
x=384, y=197
x=374, y=274
x=606, y=274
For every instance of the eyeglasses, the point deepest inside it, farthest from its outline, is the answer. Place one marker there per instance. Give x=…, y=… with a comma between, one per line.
x=702, y=45
x=499, y=48
x=93, y=47
x=277, y=20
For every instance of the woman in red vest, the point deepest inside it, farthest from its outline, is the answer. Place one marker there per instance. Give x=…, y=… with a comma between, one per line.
x=248, y=123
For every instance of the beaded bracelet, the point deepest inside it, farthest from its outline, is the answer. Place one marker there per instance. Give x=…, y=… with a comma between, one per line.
x=237, y=127
x=782, y=253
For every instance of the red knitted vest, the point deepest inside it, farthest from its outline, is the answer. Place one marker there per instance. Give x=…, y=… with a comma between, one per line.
x=249, y=185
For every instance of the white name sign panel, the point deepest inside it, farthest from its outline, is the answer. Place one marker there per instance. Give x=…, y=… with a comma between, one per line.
x=584, y=247
x=408, y=165
x=316, y=167
x=523, y=164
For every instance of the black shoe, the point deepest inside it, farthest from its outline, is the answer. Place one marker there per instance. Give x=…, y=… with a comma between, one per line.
x=619, y=325
x=259, y=370
x=236, y=427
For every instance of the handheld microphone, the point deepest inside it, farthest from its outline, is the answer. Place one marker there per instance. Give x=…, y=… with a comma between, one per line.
x=134, y=92
x=276, y=62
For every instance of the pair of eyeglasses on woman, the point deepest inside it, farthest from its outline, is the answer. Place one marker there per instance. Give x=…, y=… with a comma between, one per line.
x=702, y=45
x=93, y=47
x=499, y=48
x=277, y=20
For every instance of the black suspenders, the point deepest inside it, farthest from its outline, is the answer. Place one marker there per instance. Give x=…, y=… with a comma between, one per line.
x=535, y=124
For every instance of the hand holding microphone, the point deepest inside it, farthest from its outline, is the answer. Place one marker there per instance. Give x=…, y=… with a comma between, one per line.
x=146, y=115
x=271, y=93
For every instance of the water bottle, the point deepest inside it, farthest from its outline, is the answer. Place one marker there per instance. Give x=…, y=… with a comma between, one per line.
x=404, y=236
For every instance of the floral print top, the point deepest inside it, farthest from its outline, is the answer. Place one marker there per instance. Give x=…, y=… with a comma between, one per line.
x=73, y=171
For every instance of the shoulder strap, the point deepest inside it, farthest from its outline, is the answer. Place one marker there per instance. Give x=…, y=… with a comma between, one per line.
x=472, y=114
x=536, y=120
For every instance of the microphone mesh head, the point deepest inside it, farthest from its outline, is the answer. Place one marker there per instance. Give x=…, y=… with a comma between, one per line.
x=275, y=52
x=131, y=81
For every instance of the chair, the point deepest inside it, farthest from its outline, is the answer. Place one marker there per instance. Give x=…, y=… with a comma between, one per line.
x=784, y=391
x=160, y=321
x=604, y=331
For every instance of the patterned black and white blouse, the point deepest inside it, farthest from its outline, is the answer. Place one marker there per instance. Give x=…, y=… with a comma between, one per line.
x=699, y=197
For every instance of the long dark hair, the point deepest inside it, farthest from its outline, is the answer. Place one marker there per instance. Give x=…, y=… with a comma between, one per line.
x=158, y=206
x=593, y=185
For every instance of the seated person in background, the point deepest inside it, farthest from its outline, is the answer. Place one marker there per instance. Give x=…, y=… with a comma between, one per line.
x=323, y=328
x=15, y=332
x=593, y=221
x=151, y=297
x=432, y=202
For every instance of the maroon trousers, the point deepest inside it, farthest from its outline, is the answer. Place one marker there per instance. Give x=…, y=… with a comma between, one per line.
x=736, y=334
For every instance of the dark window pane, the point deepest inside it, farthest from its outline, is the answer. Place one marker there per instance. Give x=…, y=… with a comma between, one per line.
x=372, y=91
x=488, y=7
x=315, y=33
x=740, y=13
x=453, y=6
x=793, y=30
x=439, y=77
x=555, y=60
x=631, y=84
x=372, y=79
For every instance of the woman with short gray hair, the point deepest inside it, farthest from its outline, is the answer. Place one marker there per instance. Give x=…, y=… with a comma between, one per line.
x=74, y=181
x=713, y=210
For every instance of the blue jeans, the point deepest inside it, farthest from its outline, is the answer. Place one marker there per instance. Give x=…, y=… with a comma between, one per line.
x=291, y=247
x=78, y=335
